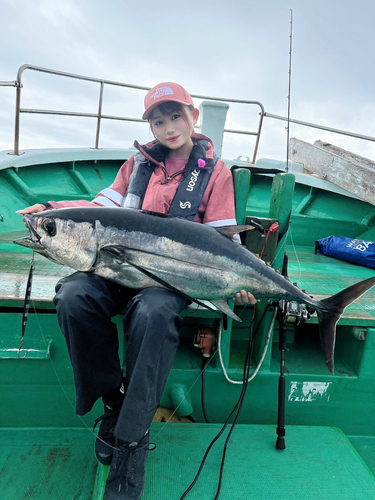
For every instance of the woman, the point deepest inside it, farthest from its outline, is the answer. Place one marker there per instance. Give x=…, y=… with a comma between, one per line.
x=178, y=173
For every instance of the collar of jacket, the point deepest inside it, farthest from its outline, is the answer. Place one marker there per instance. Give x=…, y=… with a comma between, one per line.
x=155, y=151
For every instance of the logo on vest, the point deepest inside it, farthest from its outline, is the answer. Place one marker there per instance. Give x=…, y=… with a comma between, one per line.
x=193, y=180
x=187, y=204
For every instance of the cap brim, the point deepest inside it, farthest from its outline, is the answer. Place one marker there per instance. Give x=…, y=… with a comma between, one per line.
x=148, y=111
x=166, y=98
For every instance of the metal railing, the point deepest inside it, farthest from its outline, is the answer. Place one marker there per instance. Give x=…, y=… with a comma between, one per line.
x=322, y=127
x=99, y=115
x=8, y=84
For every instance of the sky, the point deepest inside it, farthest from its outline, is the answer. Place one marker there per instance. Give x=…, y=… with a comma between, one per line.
x=227, y=49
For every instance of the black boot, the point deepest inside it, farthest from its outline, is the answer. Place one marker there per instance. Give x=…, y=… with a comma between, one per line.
x=105, y=440
x=126, y=477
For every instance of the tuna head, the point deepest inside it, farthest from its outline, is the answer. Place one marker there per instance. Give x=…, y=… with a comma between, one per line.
x=65, y=242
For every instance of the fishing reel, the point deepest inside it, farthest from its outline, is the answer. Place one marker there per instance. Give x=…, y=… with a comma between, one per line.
x=292, y=312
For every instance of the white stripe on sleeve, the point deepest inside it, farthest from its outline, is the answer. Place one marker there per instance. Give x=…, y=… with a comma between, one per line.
x=102, y=200
x=112, y=195
x=224, y=222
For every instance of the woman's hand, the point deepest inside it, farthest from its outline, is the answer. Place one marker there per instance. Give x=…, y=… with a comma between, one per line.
x=32, y=210
x=243, y=298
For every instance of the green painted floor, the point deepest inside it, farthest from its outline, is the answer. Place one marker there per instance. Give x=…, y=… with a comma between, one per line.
x=46, y=464
x=318, y=464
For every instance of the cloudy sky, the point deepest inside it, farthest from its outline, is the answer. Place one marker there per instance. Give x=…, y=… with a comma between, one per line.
x=229, y=49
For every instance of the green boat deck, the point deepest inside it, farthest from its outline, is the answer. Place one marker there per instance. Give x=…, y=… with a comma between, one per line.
x=318, y=464
x=323, y=276
x=47, y=450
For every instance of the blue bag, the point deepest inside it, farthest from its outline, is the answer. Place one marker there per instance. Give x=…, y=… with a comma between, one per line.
x=357, y=251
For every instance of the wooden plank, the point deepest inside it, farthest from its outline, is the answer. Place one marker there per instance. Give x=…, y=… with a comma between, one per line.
x=354, y=177
x=348, y=155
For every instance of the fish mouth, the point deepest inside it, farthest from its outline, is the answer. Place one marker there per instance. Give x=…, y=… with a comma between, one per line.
x=29, y=243
x=33, y=241
x=33, y=232
x=35, y=246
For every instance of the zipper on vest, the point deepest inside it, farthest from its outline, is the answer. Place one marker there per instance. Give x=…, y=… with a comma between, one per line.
x=165, y=173
x=170, y=177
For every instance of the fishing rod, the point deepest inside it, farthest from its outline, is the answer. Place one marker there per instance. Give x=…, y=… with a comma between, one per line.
x=26, y=305
x=280, y=430
x=289, y=86
x=283, y=307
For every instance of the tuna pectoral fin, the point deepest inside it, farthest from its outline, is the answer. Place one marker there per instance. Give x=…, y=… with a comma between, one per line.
x=223, y=306
x=206, y=305
x=120, y=252
x=329, y=312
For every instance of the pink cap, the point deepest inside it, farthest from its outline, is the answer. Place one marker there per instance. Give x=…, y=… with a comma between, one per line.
x=164, y=92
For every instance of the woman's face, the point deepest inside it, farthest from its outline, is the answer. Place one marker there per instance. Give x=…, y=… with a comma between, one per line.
x=174, y=130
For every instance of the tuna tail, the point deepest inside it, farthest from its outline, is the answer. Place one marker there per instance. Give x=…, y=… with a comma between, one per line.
x=329, y=312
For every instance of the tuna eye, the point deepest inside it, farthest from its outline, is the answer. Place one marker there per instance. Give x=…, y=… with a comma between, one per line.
x=49, y=226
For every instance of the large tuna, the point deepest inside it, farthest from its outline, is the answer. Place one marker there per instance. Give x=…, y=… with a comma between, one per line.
x=140, y=249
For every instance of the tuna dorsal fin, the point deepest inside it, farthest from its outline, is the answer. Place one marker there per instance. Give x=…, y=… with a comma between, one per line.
x=231, y=231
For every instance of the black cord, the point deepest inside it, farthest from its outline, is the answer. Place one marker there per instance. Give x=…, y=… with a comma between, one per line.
x=204, y=363
x=247, y=366
x=238, y=406
x=206, y=454
x=246, y=373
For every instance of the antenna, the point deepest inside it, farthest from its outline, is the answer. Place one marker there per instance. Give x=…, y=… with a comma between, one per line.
x=290, y=78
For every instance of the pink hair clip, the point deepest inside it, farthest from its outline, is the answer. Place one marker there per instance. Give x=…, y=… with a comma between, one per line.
x=201, y=163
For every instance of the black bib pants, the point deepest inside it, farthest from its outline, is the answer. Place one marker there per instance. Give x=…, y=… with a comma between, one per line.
x=85, y=304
